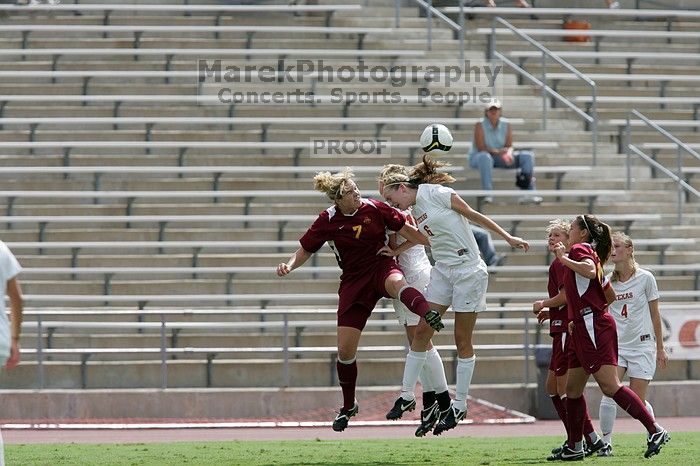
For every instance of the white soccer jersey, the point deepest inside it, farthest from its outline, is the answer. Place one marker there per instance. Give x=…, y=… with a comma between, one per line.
x=9, y=268
x=631, y=310
x=414, y=260
x=451, y=239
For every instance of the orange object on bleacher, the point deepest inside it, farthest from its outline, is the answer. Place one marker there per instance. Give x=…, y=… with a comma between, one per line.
x=571, y=24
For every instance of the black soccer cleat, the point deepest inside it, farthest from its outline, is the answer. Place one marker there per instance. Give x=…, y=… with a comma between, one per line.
x=606, y=450
x=557, y=450
x=341, y=420
x=655, y=442
x=588, y=450
x=400, y=407
x=432, y=317
x=567, y=454
x=428, y=418
x=449, y=421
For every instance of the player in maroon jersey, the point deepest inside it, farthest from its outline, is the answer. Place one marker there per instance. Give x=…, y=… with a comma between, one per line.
x=355, y=229
x=558, y=232
x=594, y=335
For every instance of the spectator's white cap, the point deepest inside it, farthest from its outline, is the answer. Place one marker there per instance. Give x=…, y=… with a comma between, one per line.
x=494, y=102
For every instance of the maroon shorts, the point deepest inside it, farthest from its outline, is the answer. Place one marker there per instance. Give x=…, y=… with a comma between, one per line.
x=559, y=363
x=359, y=294
x=594, y=342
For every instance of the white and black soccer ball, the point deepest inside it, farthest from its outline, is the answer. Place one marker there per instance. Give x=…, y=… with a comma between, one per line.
x=436, y=137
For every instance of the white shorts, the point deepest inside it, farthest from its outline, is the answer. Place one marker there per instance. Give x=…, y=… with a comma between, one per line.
x=640, y=362
x=418, y=281
x=463, y=288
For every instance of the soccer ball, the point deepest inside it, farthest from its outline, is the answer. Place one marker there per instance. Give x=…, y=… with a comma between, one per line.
x=436, y=137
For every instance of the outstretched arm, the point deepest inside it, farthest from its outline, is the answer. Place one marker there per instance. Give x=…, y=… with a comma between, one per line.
x=460, y=206
x=297, y=260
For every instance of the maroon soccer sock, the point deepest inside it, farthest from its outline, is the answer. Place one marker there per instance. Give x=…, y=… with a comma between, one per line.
x=630, y=402
x=588, y=428
x=575, y=412
x=414, y=301
x=560, y=407
x=347, y=376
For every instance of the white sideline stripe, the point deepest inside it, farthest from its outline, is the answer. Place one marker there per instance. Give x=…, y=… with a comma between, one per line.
x=232, y=425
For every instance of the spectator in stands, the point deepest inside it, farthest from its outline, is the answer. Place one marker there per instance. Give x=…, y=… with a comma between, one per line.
x=492, y=146
x=355, y=229
x=558, y=232
x=593, y=335
x=458, y=279
x=640, y=344
x=416, y=267
x=11, y=329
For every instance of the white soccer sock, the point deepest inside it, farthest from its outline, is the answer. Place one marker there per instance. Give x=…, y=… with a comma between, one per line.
x=434, y=364
x=607, y=415
x=649, y=408
x=465, y=370
x=425, y=380
x=415, y=360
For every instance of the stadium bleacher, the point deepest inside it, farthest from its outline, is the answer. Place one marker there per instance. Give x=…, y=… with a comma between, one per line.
x=150, y=225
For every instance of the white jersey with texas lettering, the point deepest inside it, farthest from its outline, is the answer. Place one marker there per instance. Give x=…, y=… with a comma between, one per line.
x=451, y=239
x=413, y=260
x=631, y=310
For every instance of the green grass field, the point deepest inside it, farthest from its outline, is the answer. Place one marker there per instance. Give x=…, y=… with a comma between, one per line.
x=684, y=449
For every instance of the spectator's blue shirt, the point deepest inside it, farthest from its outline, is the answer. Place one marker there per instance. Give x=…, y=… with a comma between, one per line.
x=493, y=137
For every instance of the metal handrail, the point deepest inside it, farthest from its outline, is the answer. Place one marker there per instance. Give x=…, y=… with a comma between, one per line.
x=430, y=10
x=161, y=326
x=591, y=120
x=683, y=187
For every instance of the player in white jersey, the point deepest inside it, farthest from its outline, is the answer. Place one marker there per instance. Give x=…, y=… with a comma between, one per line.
x=416, y=268
x=639, y=338
x=459, y=277
x=9, y=329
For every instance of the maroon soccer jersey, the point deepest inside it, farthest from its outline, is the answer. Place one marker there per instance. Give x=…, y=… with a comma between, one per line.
x=355, y=239
x=558, y=318
x=581, y=292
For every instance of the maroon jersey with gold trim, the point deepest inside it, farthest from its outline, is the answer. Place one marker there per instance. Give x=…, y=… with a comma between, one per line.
x=582, y=292
x=355, y=239
x=558, y=317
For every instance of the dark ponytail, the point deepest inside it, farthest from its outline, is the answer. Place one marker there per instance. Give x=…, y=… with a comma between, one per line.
x=598, y=235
